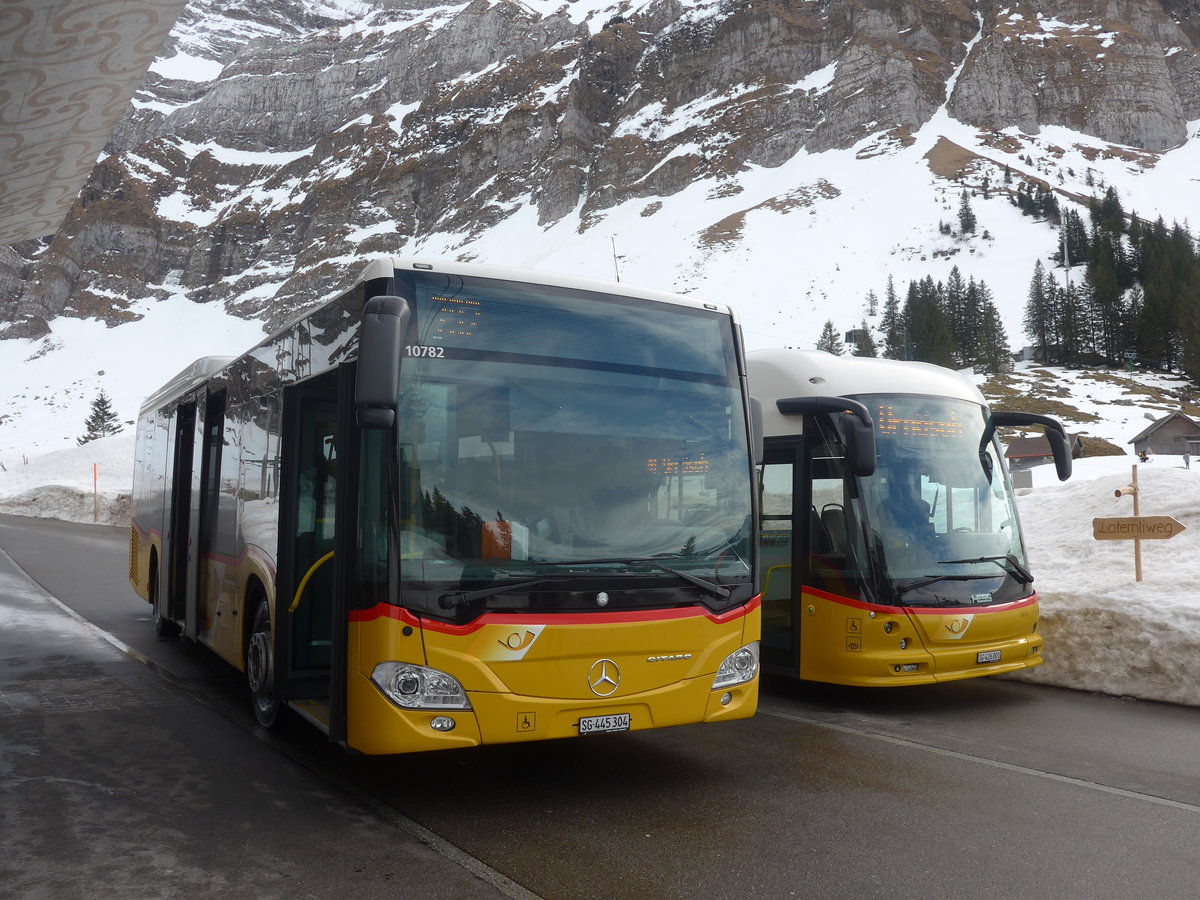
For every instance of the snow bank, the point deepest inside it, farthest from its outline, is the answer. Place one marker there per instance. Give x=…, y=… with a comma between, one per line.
x=1104, y=630
x=89, y=483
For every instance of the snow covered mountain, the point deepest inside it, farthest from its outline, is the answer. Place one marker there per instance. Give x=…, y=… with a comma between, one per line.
x=786, y=157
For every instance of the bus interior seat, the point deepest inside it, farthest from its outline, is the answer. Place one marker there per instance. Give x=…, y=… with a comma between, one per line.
x=833, y=517
x=818, y=537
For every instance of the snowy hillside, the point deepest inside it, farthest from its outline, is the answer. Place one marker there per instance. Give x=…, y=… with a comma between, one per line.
x=786, y=272
x=688, y=177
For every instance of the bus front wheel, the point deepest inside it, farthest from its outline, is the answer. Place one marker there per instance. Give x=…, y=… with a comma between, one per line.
x=260, y=667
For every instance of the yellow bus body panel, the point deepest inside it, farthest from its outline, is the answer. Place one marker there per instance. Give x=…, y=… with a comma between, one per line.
x=140, y=545
x=221, y=610
x=844, y=641
x=527, y=678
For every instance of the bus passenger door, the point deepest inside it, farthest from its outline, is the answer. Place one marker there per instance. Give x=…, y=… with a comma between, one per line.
x=777, y=547
x=318, y=453
x=181, y=558
x=204, y=591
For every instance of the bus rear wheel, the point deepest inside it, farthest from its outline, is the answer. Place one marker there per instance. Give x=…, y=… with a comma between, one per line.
x=260, y=667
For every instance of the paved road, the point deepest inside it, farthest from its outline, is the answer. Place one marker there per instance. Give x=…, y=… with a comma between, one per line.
x=120, y=779
x=978, y=788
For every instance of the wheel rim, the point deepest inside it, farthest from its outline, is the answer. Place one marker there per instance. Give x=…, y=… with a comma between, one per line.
x=258, y=662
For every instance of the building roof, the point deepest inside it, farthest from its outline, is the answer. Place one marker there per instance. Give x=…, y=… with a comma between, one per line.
x=1038, y=447
x=1159, y=423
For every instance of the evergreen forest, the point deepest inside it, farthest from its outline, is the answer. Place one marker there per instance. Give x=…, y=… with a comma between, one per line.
x=1121, y=291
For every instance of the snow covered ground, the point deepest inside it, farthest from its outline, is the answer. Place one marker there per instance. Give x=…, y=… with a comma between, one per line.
x=1104, y=631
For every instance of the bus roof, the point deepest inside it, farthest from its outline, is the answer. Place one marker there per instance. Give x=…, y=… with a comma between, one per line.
x=381, y=268
x=384, y=267
x=778, y=374
x=192, y=377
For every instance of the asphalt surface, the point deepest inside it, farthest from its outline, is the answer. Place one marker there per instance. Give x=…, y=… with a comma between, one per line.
x=120, y=779
x=981, y=787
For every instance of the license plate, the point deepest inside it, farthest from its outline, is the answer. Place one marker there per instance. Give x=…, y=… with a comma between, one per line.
x=987, y=656
x=604, y=724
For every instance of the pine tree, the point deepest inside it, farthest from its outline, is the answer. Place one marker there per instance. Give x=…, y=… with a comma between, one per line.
x=1103, y=298
x=102, y=421
x=958, y=319
x=892, y=324
x=969, y=338
x=866, y=344
x=966, y=215
x=1075, y=237
x=930, y=338
x=1039, y=322
x=1107, y=214
x=1048, y=206
x=1071, y=322
x=872, y=303
x=993, y=354
x=830, y=341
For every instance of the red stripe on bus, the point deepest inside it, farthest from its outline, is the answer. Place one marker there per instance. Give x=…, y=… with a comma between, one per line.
x=387, y=611
x=920, y=610
x=248, y=551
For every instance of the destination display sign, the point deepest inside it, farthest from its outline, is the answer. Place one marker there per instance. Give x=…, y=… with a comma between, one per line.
x=912, y=423
x=1136, y=528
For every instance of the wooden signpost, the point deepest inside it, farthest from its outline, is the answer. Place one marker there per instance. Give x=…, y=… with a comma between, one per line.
x=1136, y=528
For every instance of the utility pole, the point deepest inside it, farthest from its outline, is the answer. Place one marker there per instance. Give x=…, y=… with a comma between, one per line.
x=616, y=268
x=1066, y=257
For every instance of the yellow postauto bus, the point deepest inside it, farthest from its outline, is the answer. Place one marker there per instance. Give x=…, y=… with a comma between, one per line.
x=889, y=539
x=463, y=505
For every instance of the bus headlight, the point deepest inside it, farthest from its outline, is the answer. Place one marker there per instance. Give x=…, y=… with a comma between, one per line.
x=417, y=687
x=738, y=667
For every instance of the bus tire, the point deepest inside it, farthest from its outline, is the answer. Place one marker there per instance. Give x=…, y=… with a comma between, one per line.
x=260, y=666
x=164, y=628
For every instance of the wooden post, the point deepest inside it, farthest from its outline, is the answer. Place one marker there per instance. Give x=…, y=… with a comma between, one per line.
x=1137, y=544
x=95, y=492
x=1136, y=527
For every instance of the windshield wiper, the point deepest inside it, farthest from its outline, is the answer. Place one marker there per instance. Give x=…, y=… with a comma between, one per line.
x=1009, y=563
x=933, y=579
x=459, y=598
x=719, y=591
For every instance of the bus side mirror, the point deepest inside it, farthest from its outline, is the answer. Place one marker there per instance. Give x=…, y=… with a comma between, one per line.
x=860, y=445
x=380, y=344
x=1060, y=447
x=756, y=430
x=858, y=429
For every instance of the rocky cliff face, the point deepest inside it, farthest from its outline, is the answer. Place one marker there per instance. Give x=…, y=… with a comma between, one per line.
x=327, y=137
x=1122, y=71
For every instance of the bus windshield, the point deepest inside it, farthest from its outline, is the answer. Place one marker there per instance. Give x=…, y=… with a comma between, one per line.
x=553, y=444
x=940, y=506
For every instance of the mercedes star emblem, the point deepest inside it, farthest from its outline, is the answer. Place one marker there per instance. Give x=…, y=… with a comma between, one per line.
x=604, y=677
